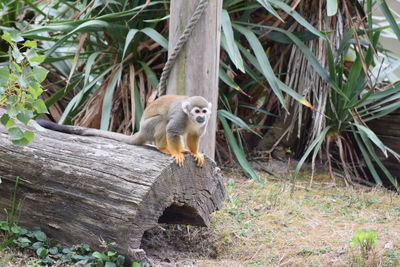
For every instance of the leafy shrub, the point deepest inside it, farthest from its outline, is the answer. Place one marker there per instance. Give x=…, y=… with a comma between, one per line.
x=50, y=253
x=20, y=87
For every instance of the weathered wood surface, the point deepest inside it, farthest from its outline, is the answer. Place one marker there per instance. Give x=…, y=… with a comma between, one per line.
x=81, y=189
x=196, y=69
x=388, y=130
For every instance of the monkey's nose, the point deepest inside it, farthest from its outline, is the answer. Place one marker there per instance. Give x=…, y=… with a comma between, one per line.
x=200, y=119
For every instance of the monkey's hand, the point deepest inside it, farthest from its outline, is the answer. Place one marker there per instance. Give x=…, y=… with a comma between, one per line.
x=179, y=158
x=199, y=159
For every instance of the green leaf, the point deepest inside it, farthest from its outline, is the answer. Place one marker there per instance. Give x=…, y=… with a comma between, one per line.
x=372, y=136
x=312, y=59
x=315, y=145
x=25, y=116
x=136, y=264
x=4, y=226
x=138, y=107
x=7, y=121
x=39, y=73
x=41, y=252
x=297, y=17
x=227, y=80
x=282, y=38
x=24, y=240
x=367, y=158
x=53, y=250
x=29, y=43
x=157, y=37
x=35, y=90
x=236, y=120
x=157, y=19
x=150, y=74
x=108, y=100
x=36, y=60
x=15, y=229
x=129, y=37
x=111, y=253
x=88, y=25
x=100, y=256
x=392, y=21
x=20, y=142
x=263, y=61
x=39, y=106
x=228, y=39
x=270, y=9
x=67, y=250
x=88, y=67
x=41, y=236
x=15, y=133
x=257, y=109
x=239, y=154
x=110, y=264
x=17, y=55
x=28, y=136
x=301, y=99
x=120, y=260
x=78, y=97
x=7, y=37
x=37, y=245
x=4, y=75
x=16, y=36
x=331, y=7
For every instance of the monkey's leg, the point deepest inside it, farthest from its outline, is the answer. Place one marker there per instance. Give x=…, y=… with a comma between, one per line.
x=192, y=141
x=161, y=144
x=175, y=146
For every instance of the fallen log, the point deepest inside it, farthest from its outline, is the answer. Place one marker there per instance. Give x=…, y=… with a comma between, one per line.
x=86, y=189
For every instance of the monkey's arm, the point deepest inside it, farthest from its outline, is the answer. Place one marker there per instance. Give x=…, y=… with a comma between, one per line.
x=175, y=129
x=129, y=139
x=175, y=148
x=192, y=141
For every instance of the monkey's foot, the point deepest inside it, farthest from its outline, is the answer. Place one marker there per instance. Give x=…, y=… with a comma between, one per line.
x=199, y=159
x=179, y=158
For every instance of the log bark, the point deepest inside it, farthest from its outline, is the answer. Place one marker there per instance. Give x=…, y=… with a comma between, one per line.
x=196, y=69
x=83, y=189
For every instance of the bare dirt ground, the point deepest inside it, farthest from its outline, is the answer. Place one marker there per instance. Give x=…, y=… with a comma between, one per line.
x=275, y=222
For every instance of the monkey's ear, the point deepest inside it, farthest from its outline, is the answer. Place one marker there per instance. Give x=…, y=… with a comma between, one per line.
x=209, y=106
x=186, y=107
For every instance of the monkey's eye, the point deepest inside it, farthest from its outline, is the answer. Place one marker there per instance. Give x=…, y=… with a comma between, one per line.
x=204, y=110
x=197, y=110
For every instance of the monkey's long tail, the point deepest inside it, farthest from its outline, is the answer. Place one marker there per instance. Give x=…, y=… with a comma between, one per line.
x=129, y=139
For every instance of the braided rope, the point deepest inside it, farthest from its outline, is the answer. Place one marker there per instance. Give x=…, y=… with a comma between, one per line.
x=162, y=86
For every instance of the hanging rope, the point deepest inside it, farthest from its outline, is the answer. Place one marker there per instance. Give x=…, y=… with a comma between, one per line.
x=162, y=86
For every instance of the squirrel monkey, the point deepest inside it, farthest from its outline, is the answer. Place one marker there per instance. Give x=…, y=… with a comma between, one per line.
x=166, y=122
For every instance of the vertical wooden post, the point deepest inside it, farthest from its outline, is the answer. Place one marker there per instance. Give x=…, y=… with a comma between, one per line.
x=195, y=71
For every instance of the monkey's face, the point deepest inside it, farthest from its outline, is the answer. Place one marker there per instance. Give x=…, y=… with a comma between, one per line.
x=198, y=114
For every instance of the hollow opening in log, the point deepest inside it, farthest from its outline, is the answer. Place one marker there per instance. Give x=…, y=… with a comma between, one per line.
x=179, y=213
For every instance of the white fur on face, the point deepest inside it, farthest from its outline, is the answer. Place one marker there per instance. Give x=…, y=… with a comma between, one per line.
x=200, y=112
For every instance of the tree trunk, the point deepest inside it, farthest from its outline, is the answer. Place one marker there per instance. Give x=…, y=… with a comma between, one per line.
x=83, y=189
x=195, y=71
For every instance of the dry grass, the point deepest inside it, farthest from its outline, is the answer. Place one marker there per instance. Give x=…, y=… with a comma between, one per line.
x=278, y=224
